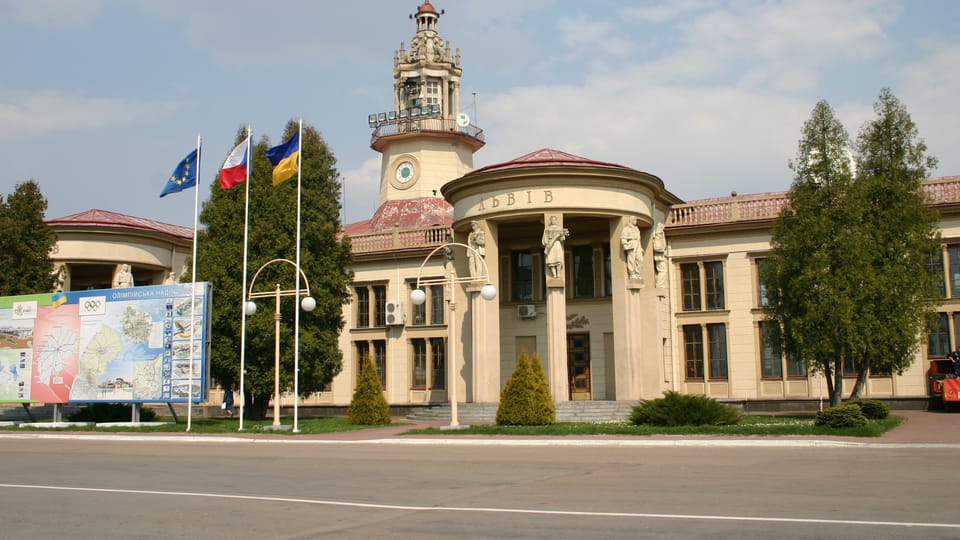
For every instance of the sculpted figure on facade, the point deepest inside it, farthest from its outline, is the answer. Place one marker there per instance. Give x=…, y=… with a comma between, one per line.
x=60, y=278
x=553, y=238
x=477, y=240
x=123, y=278
x=171, y=278
x=630, y=238
x=660, y=257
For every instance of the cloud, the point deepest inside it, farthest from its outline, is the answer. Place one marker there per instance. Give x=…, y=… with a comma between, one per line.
x=361, y=190
x=55, y=13
x=43, y=112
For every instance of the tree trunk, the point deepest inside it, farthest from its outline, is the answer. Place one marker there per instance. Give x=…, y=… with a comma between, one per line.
x=255, y=407
x=835, y=389
x=861, y=383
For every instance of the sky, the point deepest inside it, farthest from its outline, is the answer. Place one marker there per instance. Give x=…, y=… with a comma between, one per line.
x=102, y=98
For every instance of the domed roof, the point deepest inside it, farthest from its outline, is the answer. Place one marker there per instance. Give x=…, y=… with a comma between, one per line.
x=103, y=218
x=547, y=157
x=418, y=213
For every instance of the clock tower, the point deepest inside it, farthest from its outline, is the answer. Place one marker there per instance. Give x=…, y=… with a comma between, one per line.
x=425, y=140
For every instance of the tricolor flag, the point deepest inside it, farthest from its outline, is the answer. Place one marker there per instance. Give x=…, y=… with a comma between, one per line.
x=183, y=177
x=284, y=159
x=234, y=170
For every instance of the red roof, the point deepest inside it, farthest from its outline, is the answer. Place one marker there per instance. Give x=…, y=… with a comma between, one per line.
x=426, y=8
x=103, y=218
x=416, y=213
x=547, y=157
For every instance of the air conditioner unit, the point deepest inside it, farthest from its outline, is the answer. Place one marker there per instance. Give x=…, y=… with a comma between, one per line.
x=526, y=311
x=394, y=314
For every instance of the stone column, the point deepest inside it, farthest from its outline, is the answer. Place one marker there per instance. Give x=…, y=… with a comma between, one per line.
x=485, y=325
x=556, y=312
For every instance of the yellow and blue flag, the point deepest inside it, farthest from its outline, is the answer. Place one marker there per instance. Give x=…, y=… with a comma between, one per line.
x=183, y=177
x=284, y=159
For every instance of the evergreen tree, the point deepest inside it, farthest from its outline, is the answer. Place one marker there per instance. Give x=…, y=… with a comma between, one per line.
x=368, y=406
x=324, y=260
x=847, y=279
x=26, y=242
x=525, y=399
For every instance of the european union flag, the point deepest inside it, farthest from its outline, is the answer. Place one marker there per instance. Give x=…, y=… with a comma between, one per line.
x=183, y=177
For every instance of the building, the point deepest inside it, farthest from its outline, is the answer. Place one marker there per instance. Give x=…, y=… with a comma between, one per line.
x=642, y=293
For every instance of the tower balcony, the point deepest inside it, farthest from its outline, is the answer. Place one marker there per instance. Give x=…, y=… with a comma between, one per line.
x=389, y=130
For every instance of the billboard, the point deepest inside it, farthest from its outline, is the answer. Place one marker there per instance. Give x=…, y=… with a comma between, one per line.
x=140, y=344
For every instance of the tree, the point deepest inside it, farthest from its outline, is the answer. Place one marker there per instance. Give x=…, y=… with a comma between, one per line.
x=904, y=234
x=26, y=242
x=847, y=279
x=324, y=259
x=368, y=406
x=525, y=399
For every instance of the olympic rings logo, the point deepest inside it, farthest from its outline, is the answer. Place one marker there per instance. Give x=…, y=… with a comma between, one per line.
x=92, y=305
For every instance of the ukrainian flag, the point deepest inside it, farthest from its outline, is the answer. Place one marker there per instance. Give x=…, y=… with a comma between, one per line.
x=284, y=159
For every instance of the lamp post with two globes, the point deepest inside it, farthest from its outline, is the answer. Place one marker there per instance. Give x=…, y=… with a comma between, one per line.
x=418, y=297
x=308, y=304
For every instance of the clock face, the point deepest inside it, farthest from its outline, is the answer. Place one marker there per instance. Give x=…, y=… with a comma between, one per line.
x=405, y=172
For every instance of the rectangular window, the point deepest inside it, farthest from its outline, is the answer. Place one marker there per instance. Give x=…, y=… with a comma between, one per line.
x=380, y=360
x=439, y=364
x=953, y=256
x=938, y=337
x=607, y=275
x=771, y=357
x=796, y=367
x=690, y=281
x=935, y=267
x=363, y=307
x=436, y=304
x=762, y=299
x=693, y=348
x=717, y=334
x=521, y=263
x=583, y=271
x=380, y=305
x=363, y=350
x=714, y=284
x=419, y=363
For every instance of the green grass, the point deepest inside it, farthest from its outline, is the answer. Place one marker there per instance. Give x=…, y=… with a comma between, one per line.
x=307, y=426
x=759, y=426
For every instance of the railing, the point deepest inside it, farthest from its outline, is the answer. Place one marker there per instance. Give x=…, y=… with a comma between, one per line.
x=398, y=239
x=424, y=123
x=767, y=206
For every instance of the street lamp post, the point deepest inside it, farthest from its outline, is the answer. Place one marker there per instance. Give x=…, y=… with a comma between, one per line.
x=418, y=297
x=307, y=304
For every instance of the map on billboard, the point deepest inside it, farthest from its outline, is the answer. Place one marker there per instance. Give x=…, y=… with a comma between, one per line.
x=140, y=344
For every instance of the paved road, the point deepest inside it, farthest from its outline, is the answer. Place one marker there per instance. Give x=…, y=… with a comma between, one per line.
x=202, y=487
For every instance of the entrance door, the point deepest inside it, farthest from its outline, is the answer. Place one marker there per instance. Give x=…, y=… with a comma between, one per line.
x=578, y=365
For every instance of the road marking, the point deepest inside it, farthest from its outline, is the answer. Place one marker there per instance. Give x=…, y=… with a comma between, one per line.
x=407, y=507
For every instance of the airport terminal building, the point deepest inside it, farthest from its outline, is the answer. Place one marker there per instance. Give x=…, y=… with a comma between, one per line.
x=621, y=288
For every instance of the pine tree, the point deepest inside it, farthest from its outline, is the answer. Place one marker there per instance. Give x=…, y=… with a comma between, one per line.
x=368, y=406
x=525, y=400
x=26, y=242
x=324, y=260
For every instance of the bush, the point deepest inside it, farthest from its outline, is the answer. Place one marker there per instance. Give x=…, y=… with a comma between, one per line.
x=368, y=406
x=873, y=409
x=676, y=409
x=110, y=412
x=844, y=416
x=525, y=400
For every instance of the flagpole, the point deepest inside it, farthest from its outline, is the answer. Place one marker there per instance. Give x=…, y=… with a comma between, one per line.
x=296, y=307
x=193, y=291
x=243, y=292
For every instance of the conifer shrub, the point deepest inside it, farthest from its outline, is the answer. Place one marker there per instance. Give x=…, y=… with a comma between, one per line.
x=526, y=400
x=676, y=409
x=873, y=409
x=843, y=416
x=368, y=406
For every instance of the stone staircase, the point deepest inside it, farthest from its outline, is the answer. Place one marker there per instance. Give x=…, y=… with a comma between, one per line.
x=567, y=412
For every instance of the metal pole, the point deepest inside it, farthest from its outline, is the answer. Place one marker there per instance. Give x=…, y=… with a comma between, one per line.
x=276, y=362
x=452, y=385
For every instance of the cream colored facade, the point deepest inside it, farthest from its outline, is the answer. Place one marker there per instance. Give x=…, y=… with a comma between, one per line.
x=601, y=333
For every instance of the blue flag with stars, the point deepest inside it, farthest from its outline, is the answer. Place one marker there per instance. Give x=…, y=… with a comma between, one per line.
x=183, y=177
